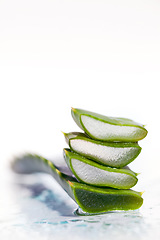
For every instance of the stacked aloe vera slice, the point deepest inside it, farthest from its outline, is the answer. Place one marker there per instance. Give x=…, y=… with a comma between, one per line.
x=98, y=158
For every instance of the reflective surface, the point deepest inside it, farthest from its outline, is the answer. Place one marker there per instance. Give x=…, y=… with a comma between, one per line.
x=35, y=207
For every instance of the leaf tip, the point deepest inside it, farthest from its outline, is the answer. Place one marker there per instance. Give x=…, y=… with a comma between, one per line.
x=141, y=193
x=138, y=174
x=73, y=109
x=65, y=152
x=58, y=172
x=70, y=183
x=64, y=133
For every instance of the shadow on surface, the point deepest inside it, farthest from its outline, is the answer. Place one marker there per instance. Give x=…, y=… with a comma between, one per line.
x=49, y=198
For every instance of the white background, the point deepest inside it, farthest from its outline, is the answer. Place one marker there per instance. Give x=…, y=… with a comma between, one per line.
x=99, y=55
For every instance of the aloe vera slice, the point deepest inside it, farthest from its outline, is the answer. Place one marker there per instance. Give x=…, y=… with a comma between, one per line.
x=89, y=198
x=106, y=128
x=113, y=154
x=95, y=174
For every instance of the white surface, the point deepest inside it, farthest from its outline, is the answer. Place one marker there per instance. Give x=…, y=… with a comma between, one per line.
x=37, y=208
x=102, y=56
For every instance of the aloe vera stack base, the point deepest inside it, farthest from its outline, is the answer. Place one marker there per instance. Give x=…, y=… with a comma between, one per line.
x=99, y=180
x=99, y=156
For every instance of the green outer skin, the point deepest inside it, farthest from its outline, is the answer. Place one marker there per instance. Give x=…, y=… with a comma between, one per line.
x=90, y=199
x=69, y=156
x=83, y=136
x=76, y=114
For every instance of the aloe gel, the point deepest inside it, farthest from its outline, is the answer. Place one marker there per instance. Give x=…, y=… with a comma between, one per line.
x=90, y=199
x=105, y=128
x=113, y=154
x=95, y=174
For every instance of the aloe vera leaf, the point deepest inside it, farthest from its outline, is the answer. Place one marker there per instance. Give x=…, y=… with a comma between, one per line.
x=92, y=173
x=105, y=128
x=89, y=198
x=113, y=154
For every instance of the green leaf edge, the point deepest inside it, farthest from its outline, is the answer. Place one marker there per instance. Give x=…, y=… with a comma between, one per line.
x=76, y=114
x=70, y=185
x=68, y=155
x=83, y=136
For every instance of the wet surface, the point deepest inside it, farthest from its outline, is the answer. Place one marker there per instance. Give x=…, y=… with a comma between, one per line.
x=35, y=207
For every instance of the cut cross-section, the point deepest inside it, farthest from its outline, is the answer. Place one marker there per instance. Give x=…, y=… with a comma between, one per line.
x=95, y=174
x=108, y=128
x=108, y=153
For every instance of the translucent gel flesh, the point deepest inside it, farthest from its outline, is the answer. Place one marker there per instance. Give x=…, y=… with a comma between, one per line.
x=106, y=154
x=102, y=130
x=93, y=175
